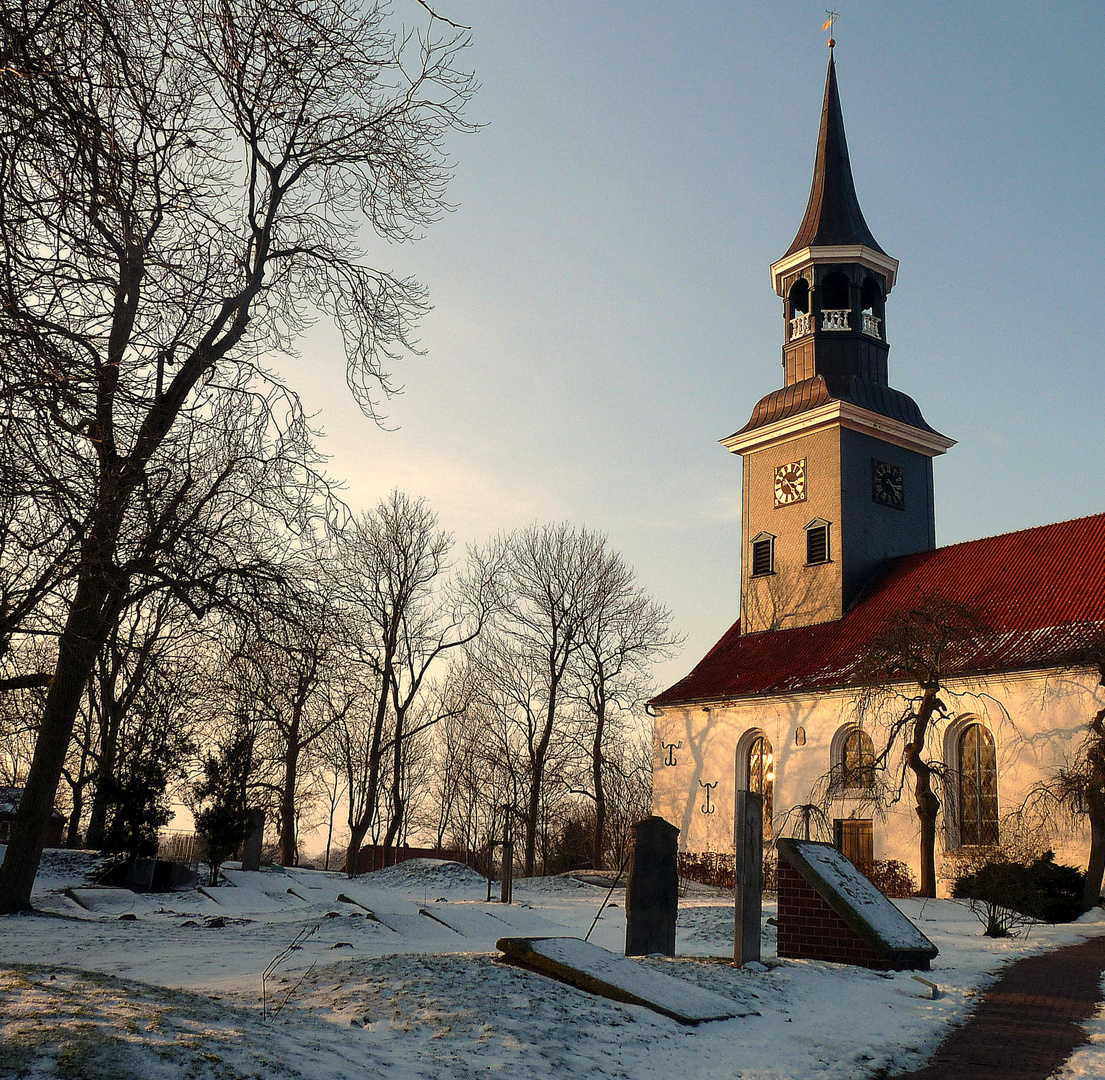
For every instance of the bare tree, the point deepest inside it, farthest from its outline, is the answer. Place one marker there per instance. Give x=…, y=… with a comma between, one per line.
x=625, y=630
x=393, y=563
x=550, y=585
x=902, y=672
x=180, y=189
x=1076, y=793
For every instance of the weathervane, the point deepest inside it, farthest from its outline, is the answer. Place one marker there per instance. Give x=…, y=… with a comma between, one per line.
x=833, y=16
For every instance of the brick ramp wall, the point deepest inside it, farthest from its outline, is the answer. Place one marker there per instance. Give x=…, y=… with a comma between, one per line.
x=810, y=930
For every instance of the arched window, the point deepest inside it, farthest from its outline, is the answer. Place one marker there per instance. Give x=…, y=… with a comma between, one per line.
x=761, y=775
x=799, y=299
x=871, y=304
x=835, y=302
x=978, y=787
x=857, y=764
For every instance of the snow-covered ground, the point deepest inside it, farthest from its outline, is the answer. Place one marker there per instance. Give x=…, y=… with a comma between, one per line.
x=400, y=973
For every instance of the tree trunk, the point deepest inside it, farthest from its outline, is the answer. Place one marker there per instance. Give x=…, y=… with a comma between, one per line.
x=105, y=770
x=80, y=641
x=73, y=830
x=287, y=798
x=600, y=793
x=357, y=833
x=926, y=802
x=1091, y=889
x=397, y=803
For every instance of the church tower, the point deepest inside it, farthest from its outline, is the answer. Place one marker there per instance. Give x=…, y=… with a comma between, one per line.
x=837, y=463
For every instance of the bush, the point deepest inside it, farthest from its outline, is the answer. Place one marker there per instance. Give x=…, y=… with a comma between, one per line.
x=1006, y=894
x=891, y=877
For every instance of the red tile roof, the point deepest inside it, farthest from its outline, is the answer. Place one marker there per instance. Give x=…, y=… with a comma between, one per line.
x=1040, y=592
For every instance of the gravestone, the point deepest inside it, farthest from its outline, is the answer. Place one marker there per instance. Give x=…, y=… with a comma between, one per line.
x=605, y=973
x=748, y=841
x=828, y=910
x=652, y=889
x=251, y=849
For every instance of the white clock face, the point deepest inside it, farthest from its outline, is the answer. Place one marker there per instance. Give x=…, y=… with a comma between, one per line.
x=790, y=483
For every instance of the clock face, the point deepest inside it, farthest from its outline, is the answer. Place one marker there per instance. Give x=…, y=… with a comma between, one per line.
x=887, y=484
x=790, y=483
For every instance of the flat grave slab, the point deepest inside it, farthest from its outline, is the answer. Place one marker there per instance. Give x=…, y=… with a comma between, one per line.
x=598, y=971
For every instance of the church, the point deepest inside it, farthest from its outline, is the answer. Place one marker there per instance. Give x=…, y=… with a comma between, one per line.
x=838, y=534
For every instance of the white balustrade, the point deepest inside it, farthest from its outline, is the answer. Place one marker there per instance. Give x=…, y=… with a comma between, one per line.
x=871, y=324
x=835, y=319
x=801, y=325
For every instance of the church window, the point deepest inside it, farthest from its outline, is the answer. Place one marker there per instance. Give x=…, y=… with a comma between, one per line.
x=761, y=775
x=763, y=555
x=978, y=787
x=817, y=542
x=857, y=764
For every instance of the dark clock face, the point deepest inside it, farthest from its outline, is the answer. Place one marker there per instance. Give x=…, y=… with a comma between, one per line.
x=887, y=484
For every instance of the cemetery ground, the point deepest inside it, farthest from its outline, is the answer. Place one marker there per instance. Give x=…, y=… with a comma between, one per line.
x=398, y=975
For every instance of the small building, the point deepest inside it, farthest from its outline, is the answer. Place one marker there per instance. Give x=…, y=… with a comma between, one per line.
x=838, y=533
x=9, y=804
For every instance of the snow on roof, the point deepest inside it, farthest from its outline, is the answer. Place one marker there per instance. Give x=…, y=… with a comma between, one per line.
x=1040, y=592
x=9, y=802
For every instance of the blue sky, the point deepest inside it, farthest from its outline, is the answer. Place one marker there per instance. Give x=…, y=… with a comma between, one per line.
x=602, y=308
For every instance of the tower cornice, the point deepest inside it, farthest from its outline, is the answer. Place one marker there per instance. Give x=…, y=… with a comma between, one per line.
x=844, y=414
x=878, y=261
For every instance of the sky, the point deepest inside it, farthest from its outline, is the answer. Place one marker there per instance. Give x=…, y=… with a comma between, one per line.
x=603, y=313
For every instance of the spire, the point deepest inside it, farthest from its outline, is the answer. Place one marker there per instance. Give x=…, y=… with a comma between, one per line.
x=833, y=215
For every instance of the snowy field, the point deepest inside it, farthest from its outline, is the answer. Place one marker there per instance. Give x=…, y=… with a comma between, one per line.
x=401, y=978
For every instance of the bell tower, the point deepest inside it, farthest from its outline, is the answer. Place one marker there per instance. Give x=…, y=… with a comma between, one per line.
x=837, y=463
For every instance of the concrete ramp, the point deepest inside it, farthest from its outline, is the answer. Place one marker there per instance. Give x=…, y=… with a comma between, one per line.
x=598, y=971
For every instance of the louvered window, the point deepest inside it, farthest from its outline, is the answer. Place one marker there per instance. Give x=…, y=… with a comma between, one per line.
x=817, y=543
x=763, y=556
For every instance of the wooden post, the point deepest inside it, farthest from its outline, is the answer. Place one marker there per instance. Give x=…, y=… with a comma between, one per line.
x=748, y=843
x=506, y=888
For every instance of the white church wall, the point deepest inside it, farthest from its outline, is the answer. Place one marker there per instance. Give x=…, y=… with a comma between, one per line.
x=1037, y=721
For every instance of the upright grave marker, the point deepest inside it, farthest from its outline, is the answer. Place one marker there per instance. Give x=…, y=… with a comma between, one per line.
x=652, y=889
x=748, y=841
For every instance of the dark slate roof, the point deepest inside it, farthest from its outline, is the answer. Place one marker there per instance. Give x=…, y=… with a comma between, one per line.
x=809, y=394
x=833, y=215
x=1040, y=593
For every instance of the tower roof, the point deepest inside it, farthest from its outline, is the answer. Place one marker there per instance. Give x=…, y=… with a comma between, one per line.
x=833, y=217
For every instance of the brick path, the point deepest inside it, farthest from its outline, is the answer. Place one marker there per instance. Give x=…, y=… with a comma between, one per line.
x=1028, y=1022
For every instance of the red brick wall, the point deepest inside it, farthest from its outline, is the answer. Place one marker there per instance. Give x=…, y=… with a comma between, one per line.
x=810, y=930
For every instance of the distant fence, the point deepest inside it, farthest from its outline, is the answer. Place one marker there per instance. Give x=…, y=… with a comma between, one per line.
x=181, y=847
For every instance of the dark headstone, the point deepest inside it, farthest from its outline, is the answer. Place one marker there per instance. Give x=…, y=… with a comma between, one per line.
x=748, y=840
x=251, y=849
x=169, y=875
x=652, y=889
x=141, y=874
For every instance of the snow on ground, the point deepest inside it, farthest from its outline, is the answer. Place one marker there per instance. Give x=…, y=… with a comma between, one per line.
x=399, y=973
x=1089, y=1060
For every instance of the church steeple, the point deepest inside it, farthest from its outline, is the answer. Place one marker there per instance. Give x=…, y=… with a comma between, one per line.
x=834, y=277
x=837, y=463
x=833, y=216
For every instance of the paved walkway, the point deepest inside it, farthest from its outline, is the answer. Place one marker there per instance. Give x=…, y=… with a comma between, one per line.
x=1028, y=1022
